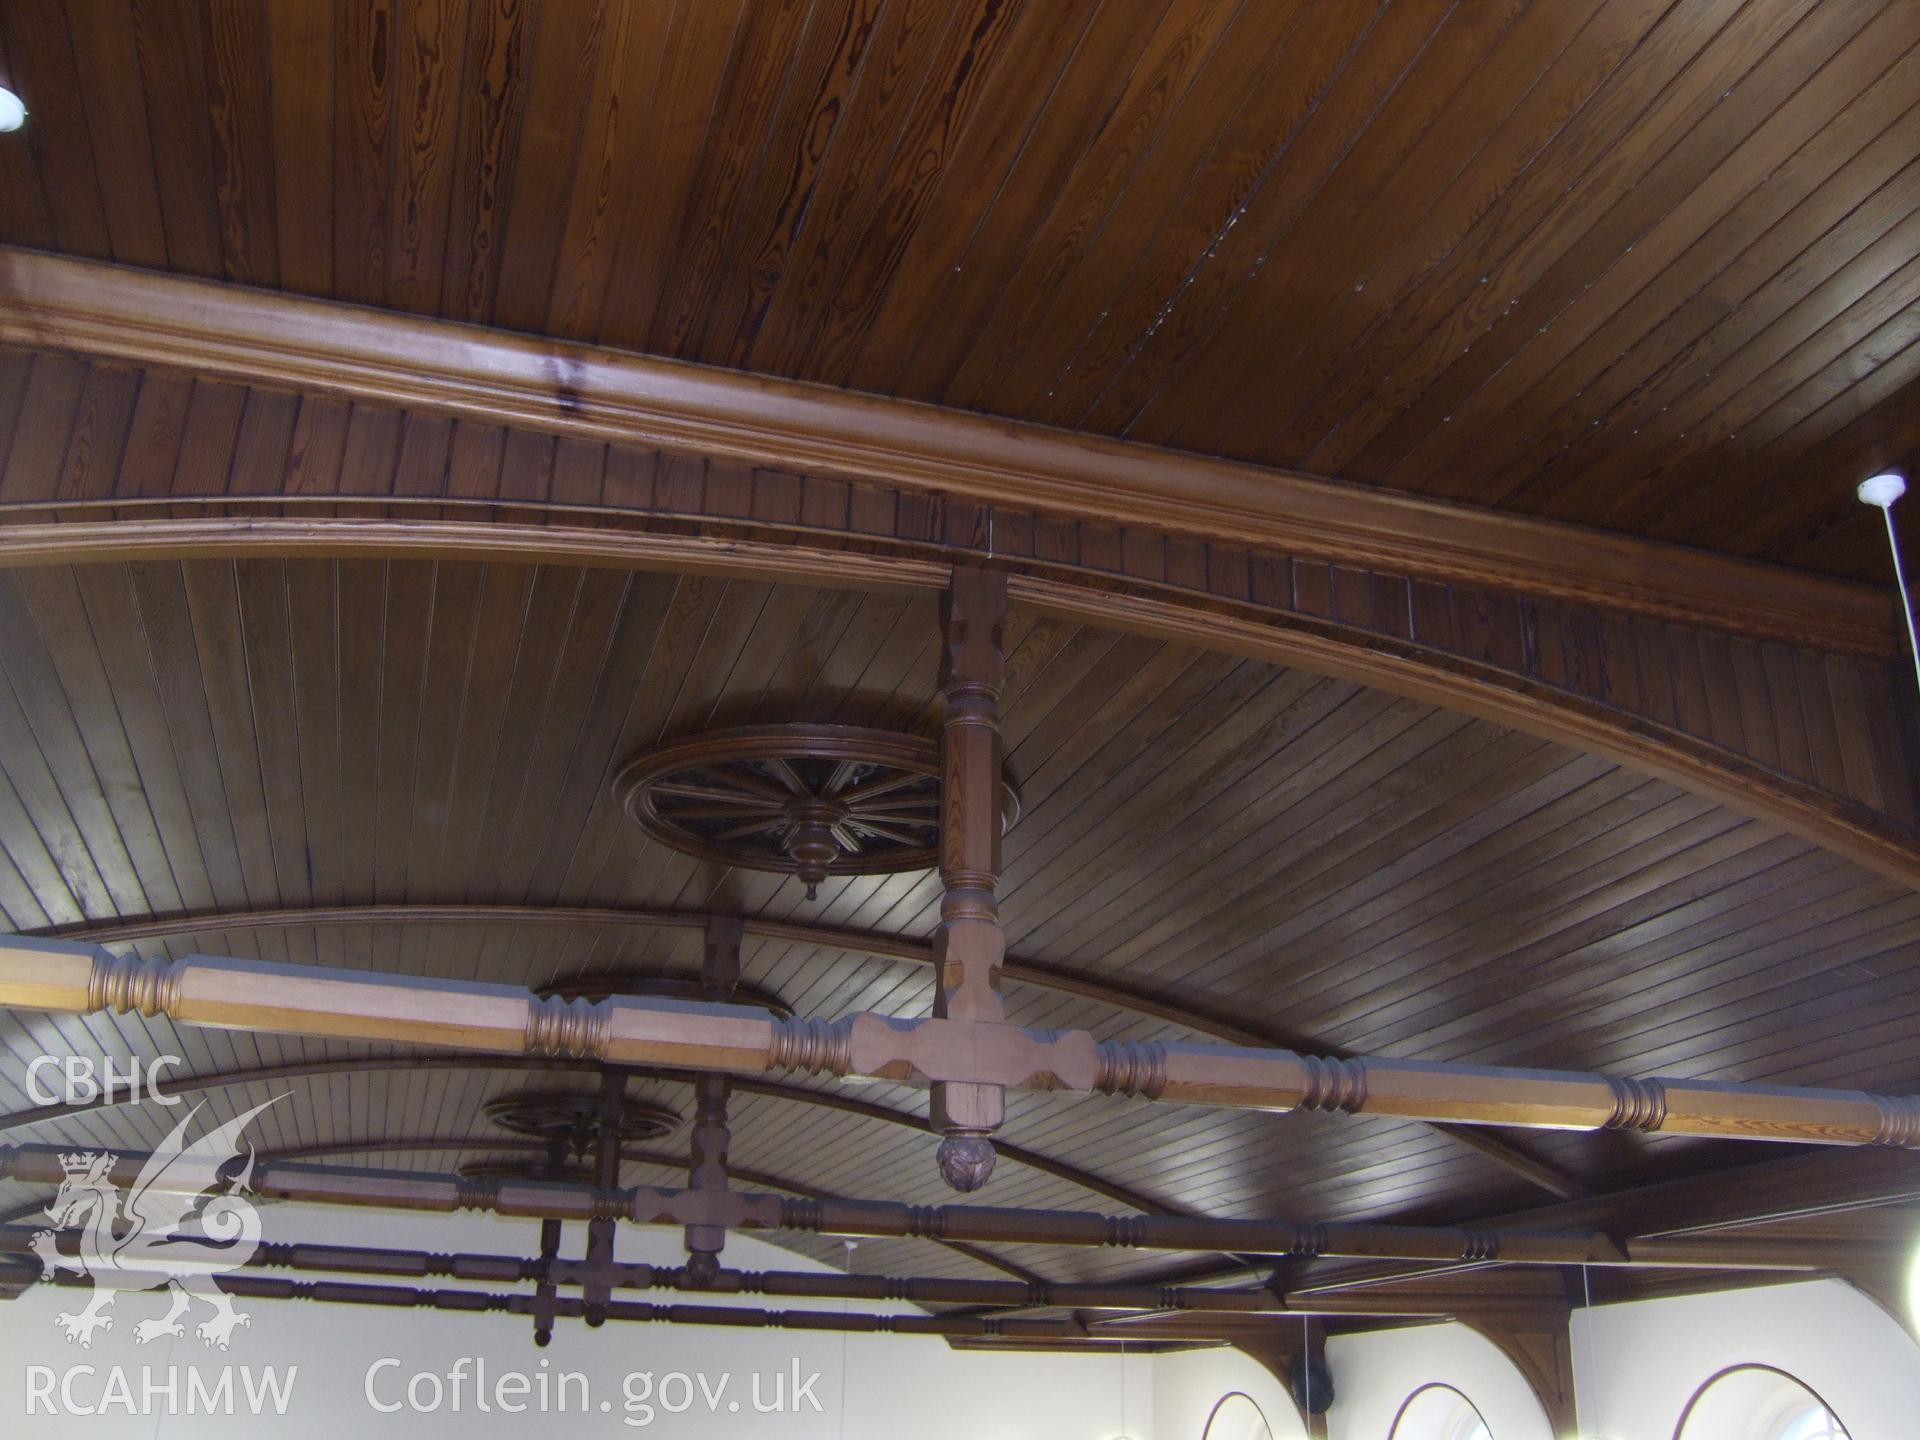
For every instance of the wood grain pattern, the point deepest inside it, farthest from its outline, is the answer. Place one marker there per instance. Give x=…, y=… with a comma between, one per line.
x=936, y=456
x=1389, y=870
x=365, y=636
x=1616, y=262
x=968, y=1061
x=1804, y=738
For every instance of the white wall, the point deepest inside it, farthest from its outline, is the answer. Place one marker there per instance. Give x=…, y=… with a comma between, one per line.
x=1637, y=1365
x=893, y=1385
x=1373, y=1374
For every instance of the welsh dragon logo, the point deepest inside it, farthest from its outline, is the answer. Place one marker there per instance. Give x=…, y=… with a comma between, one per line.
x=167, y=1229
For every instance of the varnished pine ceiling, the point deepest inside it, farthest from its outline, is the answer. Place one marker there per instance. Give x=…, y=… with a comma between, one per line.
x=1642, y=264
x=1321, y=861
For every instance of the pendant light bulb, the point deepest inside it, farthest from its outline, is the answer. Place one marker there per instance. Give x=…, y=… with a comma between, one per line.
x=1881, y=491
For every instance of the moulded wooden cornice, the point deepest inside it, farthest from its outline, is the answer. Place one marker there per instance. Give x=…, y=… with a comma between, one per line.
x=262, y=337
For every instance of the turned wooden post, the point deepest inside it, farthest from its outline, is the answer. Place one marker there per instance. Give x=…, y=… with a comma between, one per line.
x=1313, y=1377
x=546, y=1294
x=969, y=946
x=707, y=1172
x=606, y=1180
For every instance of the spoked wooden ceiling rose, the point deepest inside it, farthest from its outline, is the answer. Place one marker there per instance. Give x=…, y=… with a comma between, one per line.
x=806, y=800
x=574, y=1117
x=570, y=1123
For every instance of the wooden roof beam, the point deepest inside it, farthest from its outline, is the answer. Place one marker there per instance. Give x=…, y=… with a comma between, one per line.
x=67, y=978
x=1038, y=974
x=264, y=338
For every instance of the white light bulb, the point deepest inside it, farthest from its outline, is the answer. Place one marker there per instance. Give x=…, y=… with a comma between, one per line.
x=12, y=113
x=1883, y=489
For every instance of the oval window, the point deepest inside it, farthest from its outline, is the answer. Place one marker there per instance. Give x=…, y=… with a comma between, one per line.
x=1757, y=1402
x=1439, y=1412
x=1236, y=1417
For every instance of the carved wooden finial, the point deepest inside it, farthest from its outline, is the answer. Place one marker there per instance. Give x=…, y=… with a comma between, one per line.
x=966, y=1160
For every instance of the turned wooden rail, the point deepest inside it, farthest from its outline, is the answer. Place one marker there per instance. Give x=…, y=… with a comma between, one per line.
x=1206, y=1025
x=875, y=1219
x=308, y=1257
x=744, y=1210
x=353, y=1292
x=1447, y=1246
x=229, y=993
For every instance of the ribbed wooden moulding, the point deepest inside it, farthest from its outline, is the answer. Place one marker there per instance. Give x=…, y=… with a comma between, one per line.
x=49, y=975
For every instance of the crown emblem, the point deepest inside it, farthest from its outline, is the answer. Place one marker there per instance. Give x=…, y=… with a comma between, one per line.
x=78, y=1163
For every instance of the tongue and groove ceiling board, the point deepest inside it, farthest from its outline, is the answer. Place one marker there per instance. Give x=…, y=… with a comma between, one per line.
x=1773, y=691
x=1639, y=264
x=1313, y=857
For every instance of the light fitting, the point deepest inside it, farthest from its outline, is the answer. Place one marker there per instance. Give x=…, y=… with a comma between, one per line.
x=1883, y=489
x=13, y=113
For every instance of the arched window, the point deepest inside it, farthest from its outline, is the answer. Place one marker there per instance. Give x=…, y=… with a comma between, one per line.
x=1236, y=1417
x=1439, y=1412
x=1757, y=1402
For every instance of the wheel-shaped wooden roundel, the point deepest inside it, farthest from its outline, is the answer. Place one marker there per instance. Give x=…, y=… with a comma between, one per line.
x=575, y=1116
x=806, y=800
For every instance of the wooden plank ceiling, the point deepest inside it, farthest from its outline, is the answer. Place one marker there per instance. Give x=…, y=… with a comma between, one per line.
x=1641, y=264
x=1319, y=860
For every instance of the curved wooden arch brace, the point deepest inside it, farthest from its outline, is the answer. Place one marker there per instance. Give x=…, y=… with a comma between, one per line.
x=1769, y=690
x=1833, y=772
x=1543, y=1355
x=861, y=942
x=846, y=1104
